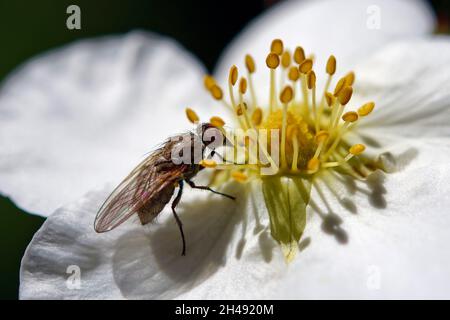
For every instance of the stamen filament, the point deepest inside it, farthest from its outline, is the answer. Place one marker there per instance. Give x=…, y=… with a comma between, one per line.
x=250, y=64
x=272, y=62
x=285, y=97
x=295, y=155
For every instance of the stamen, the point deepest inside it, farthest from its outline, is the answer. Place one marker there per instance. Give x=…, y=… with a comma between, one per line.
x=272, y=61
x=344, y=97
x=250, y=64
x=277, y=47
x=330, y=69
x=331, y=65
x=350, y=78
x=239, y=176
x=293, y=74
x=304, y=68
x=329, y=99
x=313, y=165
x=285, y=97
x=233, y=76
x=311, y=80
x=208, y=81
x=366, y=109
x=257, y=117
x=192, y=116
x=286, y=60
x=339, y=86
x=216, y=92
x=299, y=55
x=217, y=121
x=348, y=117
x=321, y=138
x=285, y=63
x=240, y=109
x=208, y=163
x=355, y=150
x=243, y=86
x=292, y=134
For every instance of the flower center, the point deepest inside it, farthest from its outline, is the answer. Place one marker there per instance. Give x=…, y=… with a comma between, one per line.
x=299, y=134
x=309, y=127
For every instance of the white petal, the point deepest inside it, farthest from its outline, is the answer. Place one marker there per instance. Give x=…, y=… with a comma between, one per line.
x=83, y=115
x=145, y=262
x=410, y=84
x=327, y=27
x=390, y=244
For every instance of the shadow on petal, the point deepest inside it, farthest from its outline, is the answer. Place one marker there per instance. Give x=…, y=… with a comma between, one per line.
x=150, y=265
x=338, y=183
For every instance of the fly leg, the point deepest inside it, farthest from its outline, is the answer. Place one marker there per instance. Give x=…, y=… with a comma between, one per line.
x=193, y=186
x=180, y=225
x=221, y=157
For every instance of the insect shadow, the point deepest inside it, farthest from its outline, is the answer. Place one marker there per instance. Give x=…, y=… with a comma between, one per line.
x=147, y=262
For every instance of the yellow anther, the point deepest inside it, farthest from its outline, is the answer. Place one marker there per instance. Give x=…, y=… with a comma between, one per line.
x=239, y=176
x=250, y=63
x=345, y=95
x=257, y=116
x=299, y=55
x=305, y=66
x=357, y=149
x=293, y=74
x=322, y=136
x=240, y=109
x=329, y=98
x=286, y=59
x=349, y=78
x=191, y=115
x=272, y=61
x=331, y=65
x=311, y=77
x=208, y=163
x=216, y=92
x=286, y=94
x=243, y=85
x=277, y=47
x=217, y=121
x=366, y=108
x=350, y=116
x=233, y=75
x=339, y=86
x=208, y=81
x=313, y=164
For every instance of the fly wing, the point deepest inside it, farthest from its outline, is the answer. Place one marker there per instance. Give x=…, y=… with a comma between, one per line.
x=143, y=183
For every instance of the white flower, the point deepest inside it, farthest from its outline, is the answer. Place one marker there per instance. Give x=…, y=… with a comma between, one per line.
x=79, y=117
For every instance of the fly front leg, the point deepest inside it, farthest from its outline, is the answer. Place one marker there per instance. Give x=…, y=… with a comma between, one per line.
x=193, y=186
x=180, y=225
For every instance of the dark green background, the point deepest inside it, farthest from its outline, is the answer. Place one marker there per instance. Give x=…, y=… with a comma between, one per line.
x=31, y=27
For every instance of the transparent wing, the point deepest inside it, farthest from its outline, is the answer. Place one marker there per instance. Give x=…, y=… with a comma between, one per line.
x=143, y=183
